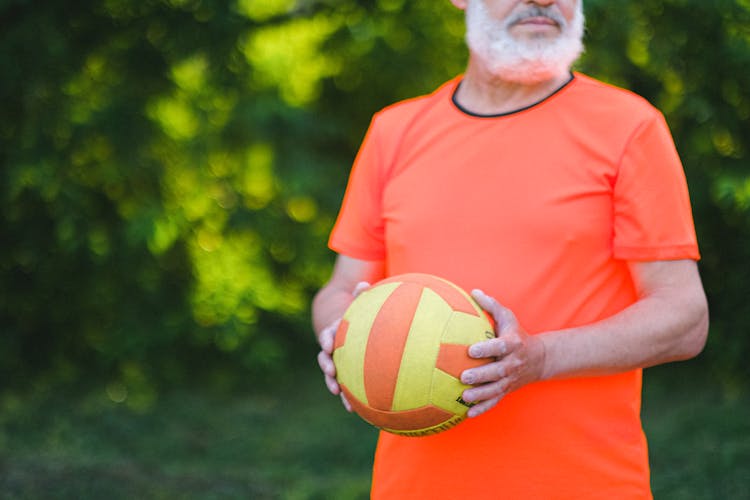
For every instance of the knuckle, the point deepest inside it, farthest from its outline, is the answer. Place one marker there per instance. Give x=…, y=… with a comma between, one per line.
x=493, y=389
x=506, y=347
x=512, y=341
x=497, y=346
x=326, y=364
x=479, y=376
x=497, y=392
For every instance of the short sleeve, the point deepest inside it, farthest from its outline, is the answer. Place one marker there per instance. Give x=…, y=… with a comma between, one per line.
x=652, y=214
x=359, y=228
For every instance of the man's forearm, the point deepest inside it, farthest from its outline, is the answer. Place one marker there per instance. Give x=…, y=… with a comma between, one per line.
x=329, y=305
x=663, y=326
x=331, y=301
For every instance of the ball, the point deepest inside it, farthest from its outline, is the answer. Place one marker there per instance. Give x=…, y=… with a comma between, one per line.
x=400, y=350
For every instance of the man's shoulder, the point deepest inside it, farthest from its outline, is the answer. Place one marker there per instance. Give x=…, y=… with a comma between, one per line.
x=403, y=112
x=612, y=97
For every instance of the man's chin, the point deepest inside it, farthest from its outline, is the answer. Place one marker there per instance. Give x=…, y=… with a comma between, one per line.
x=527, y=72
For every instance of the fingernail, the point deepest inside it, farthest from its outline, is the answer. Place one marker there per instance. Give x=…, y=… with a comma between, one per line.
x=467, y=378
x=475, y=351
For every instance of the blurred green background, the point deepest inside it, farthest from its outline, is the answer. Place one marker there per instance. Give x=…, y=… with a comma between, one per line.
x=170, y=172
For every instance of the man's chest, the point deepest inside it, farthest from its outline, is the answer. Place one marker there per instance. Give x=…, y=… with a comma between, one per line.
x=533, y=195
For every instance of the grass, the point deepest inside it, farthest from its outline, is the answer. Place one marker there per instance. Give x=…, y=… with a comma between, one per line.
x=291, y=444
x=294, y=442
x=699, y=435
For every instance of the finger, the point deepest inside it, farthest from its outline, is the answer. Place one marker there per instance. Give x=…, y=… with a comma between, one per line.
x=328, y=335
x=504, y=317
x=495, y=348
x=333, y=386
x=485, y=301
x=482, y=407
x=361, y=287
x=346, y=403
x=486, y=391
x=325, y=361
x=491, y=372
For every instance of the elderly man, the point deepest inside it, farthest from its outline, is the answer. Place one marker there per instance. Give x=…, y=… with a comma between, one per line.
x=564, y=200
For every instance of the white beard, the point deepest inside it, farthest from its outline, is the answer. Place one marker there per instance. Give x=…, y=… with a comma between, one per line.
x=526, y=61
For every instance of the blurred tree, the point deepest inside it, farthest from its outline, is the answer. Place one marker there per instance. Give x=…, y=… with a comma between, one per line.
x=171, y=168
x=148, y=227
x=691, y=60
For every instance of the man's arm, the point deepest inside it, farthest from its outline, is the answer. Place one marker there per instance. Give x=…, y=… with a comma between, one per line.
x=332, y=300
x=668, y=322
x=349, y=277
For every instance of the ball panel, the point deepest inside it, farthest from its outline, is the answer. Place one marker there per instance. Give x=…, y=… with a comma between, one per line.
x=409, y=420
x=467, y=329
x=340, y=339
x=447, y=392
x=453, y=359
x=385, y=346
x=421, y=351
x=359, y=317
x=453, y=295
x=443, y=426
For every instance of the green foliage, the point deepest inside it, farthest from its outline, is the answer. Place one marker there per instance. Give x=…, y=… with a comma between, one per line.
x=690, y=59
x=171, y=168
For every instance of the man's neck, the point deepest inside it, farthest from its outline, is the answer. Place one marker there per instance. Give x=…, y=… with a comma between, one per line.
x=483, y=93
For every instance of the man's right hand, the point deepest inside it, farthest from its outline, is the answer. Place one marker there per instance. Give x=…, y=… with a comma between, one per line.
x=325, y=360
x=326, y=340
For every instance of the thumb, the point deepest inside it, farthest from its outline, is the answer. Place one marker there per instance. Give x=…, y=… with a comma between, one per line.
x=361, y=287
x=504, y=317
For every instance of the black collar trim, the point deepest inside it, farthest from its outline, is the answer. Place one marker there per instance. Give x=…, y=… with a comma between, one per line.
x=479, y=115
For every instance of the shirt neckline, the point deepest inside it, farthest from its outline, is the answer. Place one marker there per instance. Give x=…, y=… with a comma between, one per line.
x=507, y=113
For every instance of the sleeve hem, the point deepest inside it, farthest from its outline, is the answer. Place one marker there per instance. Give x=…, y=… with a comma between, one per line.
x=355, y=252
x=674, y=252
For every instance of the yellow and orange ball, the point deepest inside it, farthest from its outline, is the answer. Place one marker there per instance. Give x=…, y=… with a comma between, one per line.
x=401, y=348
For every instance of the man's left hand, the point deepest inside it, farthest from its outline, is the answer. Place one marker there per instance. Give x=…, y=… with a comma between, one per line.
x=519, y=359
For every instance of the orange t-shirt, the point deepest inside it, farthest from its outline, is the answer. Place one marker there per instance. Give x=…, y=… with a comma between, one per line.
x=540, y=208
